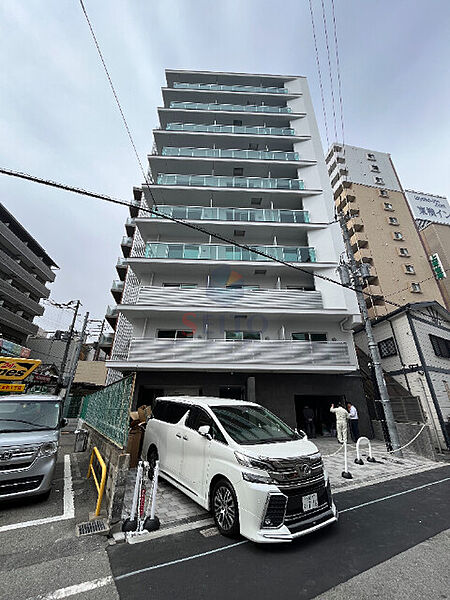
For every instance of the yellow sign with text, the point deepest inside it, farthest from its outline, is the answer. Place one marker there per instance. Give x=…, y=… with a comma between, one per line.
x=16, y=369
x=12, y=387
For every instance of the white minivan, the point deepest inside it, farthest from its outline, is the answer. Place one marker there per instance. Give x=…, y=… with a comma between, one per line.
x=255, y=474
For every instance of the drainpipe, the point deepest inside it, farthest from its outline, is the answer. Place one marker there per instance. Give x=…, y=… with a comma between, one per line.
x=427, y=377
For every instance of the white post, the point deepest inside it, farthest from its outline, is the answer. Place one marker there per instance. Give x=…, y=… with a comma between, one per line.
x=346, y=473
x=358, y=459
x=154, y=490
x=136, y=491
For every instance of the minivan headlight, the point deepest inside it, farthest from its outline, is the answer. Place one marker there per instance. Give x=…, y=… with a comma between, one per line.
x=48, y=449
x=256, y=478
x=253, y=463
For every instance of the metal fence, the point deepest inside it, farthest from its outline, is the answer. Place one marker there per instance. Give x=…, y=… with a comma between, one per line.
x=107, y=410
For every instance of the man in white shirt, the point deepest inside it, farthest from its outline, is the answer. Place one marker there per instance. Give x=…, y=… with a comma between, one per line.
x=354, y=421
x=341, y=422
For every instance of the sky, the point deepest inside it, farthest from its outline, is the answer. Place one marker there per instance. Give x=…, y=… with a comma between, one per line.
x=58, y=119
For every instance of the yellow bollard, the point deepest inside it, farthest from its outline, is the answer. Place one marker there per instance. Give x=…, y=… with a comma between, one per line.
x=100, y=486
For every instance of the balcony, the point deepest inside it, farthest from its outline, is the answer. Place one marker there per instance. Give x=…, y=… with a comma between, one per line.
x=235, y=182
x=231, y=88
x=20, y=299
x=117, y=289
x=126, y=244
x=256, y=215
x=355, y=224
x=218, y=252
x=16, y=322
x=218, y=355
x=112, y=315
x=258, y=108
x=130, y=226
x=235, y=129
x=363, y=255
x=223, y=299
x=106, y=340
x=359, y=240
x=121, y=267
x=226, y=153
x=11, y=267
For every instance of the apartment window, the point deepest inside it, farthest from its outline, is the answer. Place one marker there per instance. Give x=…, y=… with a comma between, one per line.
x=441, y=346
x=237, y=122
x=174, y=334
x=393, y=221
x=239, y=233
x=375, y=168
x=378, y=180
x=415, y=288
x=337, y=148
x=409, y=269
x=403, y=251
x=309, y=337
x=384, y=194
x=253, y=146
x=398, y=235
x=242, y=335
x=387, y=347
x=388, y=206
x=238, y=171
x=370, y=156
x=180, y=285
x=256, y=201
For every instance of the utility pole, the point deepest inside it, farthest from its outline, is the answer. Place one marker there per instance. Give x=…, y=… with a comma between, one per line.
x=97, y=350
x=66, y=349
x=356, y=276
x=77, y=358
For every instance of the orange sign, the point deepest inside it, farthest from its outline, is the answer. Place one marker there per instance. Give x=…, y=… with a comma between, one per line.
x=12, y=387
x=16, y=369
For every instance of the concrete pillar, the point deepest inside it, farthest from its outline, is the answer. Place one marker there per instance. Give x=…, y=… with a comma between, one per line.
x=251, y=389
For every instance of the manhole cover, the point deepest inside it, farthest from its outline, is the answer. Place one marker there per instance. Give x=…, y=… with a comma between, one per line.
x=91, y=527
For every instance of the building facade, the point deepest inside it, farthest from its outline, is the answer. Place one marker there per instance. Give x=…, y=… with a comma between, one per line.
x=25, y=270
x=239, y=156
x=382, y=228
x=414, y=345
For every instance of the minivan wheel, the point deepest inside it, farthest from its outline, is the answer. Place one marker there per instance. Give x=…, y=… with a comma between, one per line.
x=225, y=508
x=152, y=457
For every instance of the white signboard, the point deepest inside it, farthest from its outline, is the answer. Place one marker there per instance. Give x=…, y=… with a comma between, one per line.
x=429, y=208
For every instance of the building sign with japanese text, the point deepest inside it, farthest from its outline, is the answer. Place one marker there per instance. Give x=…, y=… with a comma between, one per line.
x=429, y=208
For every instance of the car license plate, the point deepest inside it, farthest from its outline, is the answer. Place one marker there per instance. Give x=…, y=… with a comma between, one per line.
x=310, y=502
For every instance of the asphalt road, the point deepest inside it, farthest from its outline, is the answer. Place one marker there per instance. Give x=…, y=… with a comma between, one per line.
x=191, y=566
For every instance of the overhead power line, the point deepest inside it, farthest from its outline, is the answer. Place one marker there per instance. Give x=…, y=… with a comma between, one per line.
x=333, y=105
x=322, y=95
x=116, y=97
x=107, y=198
x=338, y=71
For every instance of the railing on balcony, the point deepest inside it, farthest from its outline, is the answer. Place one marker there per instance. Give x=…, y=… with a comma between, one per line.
x=228, y=153
x=244, y=129
x=239, y=354
x=231, y=88
x=223, y=297
x=228, y=253
x=224, y=181
x=260, y=108
x=207, y=213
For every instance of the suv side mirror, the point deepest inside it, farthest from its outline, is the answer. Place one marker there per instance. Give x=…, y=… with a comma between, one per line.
x=64, y=422
x=204, y=431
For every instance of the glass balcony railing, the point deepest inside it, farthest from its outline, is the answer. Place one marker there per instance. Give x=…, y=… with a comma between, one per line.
x=228, y=253
x=231, y=88
x=228, y=153
x=264, y=108
x=243, y=129
x=237, y=182
x=258, y=215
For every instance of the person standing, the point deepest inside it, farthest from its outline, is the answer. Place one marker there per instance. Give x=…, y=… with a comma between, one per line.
x=342, y=417
x=353, y=421
x=308, y=416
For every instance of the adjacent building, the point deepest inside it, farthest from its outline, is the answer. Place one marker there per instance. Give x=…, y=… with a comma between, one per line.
x=25, y=271
x=382, y=228
x=414, y=345
x=238, y=155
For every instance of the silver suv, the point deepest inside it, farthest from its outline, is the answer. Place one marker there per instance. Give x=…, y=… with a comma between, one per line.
x=29, y=437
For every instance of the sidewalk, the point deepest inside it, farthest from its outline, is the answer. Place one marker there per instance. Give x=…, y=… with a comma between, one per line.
x=173, y=508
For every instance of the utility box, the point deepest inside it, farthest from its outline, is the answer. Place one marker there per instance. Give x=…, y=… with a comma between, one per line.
x=81, y=440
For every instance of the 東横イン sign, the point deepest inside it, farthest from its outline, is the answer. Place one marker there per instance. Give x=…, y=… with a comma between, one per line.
x=16, y=369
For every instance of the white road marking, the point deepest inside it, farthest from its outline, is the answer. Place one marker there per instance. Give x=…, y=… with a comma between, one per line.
x=420, y=487
x=69, y=510
x=76, y=589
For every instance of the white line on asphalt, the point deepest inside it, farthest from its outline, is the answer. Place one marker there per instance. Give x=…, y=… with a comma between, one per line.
x=79, y=588
x=69, y=511
x=420, y=487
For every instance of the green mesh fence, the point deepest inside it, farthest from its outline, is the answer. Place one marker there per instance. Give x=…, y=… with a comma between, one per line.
x=107, y=410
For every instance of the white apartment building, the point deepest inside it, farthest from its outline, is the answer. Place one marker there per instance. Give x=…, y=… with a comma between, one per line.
x=238, y=155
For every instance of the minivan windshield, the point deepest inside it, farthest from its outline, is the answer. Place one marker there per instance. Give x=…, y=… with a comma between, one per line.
x=253, y=425
x=28, y=416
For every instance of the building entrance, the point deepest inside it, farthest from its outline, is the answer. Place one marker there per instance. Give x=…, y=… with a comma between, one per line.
x=318, y=407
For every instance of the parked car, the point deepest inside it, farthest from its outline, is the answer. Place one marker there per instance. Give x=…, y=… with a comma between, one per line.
x=29, y=436
x=255, y=474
